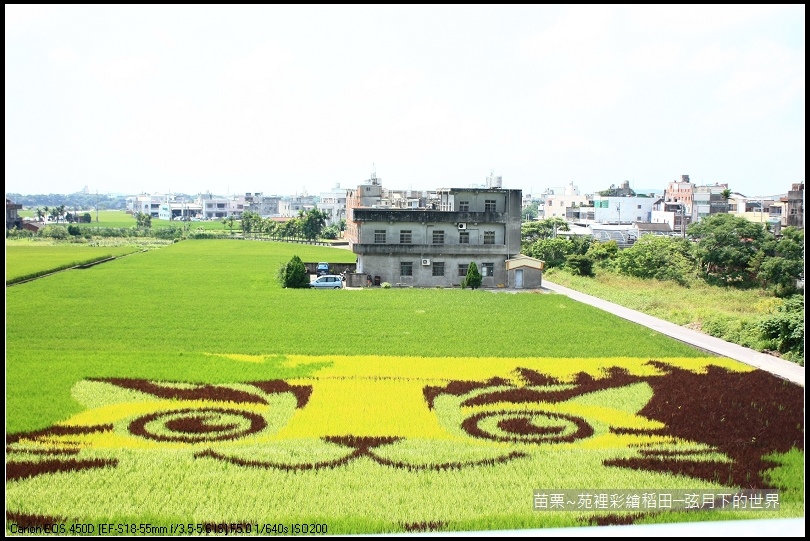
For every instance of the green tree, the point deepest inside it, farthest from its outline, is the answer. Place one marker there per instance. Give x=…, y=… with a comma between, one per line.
x=330, y=232
x=143, y=220
x=603, y=253
x=473, y=278
x=290, y=228
x=312, y=223
x=530, y=212
x=228, y=222
x=251, y=222
x=294, y=274
x=40, y=214
x=552, y=251
x=531, y=232
x=781, y=262
x=725, y=246
x=579, y=265
x=662, y=258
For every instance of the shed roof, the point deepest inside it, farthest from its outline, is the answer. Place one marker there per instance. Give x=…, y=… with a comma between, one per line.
x=520, y=260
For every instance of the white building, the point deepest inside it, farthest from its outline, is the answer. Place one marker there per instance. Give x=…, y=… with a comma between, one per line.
x=622, y=210
x=333, y=204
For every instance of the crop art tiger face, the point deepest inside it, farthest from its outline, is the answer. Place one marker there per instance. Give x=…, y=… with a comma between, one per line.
x=378, y=430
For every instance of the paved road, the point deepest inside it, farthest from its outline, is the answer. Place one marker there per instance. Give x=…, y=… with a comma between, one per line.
x=785, y=369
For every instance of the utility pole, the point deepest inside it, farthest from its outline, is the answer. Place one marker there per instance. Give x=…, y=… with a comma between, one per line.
x=96, y=205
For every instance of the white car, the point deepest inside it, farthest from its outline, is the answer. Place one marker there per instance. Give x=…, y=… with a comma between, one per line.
x=327, y=281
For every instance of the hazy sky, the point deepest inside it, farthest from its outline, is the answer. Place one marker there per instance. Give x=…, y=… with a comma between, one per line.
x=288, y=99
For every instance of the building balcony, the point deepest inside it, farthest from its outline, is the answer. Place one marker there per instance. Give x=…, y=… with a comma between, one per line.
x=428, y=216
x=430, y=249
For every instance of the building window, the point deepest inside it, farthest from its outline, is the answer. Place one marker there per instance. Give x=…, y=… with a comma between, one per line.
x=405, y=237
x=406, y=268
x=438, y=269
x=487, y=269
x=638, y=207
x=489, y=205
x=464, y=206
x=464, y=237
x=489, y=237
x=379, y=236
x=438, y=237
x=462, y=269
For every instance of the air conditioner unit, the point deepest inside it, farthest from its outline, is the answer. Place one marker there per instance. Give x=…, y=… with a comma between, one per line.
x=426, y=262
x=462, y=226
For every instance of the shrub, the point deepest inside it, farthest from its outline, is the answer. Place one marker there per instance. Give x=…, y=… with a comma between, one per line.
x=473, y=278
x=17, y=233
x=603, y=253
x=55, y=231
x=385, y=285
x=785, y=329
x=662, y=258
x=294, y=274
x=579, y=265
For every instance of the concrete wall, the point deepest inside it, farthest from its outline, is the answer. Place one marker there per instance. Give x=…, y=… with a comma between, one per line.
x=388, y=269
x=532, y=278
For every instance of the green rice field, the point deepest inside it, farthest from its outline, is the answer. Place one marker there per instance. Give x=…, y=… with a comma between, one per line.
x=184, y=389
x=28, y=258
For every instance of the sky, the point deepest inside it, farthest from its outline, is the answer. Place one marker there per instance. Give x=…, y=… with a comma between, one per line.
x=288, y=100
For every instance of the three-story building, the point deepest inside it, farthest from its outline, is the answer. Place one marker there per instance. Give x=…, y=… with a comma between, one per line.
x=434, y=245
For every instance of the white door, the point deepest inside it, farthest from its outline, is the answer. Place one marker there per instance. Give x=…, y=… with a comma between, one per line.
x=519, y=278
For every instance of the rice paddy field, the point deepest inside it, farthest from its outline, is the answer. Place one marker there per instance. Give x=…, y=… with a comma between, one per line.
x=29, y=258
x=181, y=390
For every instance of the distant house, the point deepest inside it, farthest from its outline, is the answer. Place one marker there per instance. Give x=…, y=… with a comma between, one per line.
x=12, y=216
x=36, y=227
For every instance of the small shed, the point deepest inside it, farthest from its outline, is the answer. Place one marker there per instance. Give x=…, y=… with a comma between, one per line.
x=524, y=272
x=36, y=227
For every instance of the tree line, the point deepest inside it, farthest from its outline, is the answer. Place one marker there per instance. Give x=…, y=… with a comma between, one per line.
x=308, y=225
x=721, y=249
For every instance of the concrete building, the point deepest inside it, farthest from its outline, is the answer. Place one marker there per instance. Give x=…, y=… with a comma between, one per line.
x=708, y=200
x=12, y=214
x=434, y=245
x=265, y=206
x=680, y=192
x=333, y=204
x=671, y=213
x=290, y=206
x=214, y=207
x=146, y=204
x=794, y=212
x=557, y=206
x=622, y=210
